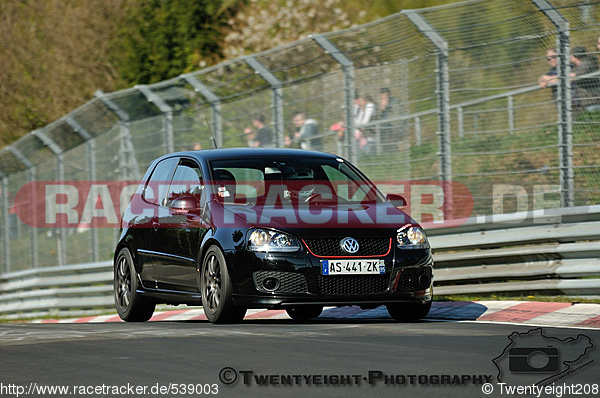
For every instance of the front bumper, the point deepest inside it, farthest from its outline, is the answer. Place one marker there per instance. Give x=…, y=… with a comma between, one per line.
x=275, y=302
x=408, y=279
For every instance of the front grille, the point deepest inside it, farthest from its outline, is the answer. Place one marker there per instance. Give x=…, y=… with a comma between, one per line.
x=324, y=247
x=409, y=279
x=353, y=284
x=289, y=282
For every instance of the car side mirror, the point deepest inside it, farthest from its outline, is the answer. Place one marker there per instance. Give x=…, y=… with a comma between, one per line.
x=185, y=204
x=396, y=200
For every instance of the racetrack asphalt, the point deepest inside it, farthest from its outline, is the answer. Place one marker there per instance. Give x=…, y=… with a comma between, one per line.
x=326, y=349
x=536, y=313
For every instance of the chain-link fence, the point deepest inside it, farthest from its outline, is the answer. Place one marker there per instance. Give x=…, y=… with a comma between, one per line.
x=448, y=93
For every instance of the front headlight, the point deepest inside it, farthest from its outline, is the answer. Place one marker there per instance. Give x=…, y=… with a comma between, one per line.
x=264, y=240
x=411, y=237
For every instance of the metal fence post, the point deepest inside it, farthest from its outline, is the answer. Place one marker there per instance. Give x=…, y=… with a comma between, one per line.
x=32, y=232
x=5, y=223
x=91, y=155
x=418, y=139
x=349, y=92
x=511, y=114
x=277, y=103
x=215, y=106
x=443, y=100
x=128, y=164
x=60, y=175
x=167, y=112
x=461, y=122
x=565, y=122
x=378, y=138
x=587, y=12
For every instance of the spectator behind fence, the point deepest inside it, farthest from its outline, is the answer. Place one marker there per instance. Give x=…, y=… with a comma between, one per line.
x=364, y=110
x=306, y=129
x=585, y=91
x=250, y=136
x=196, y=147
x=338, y=129
x=386, y=102
x=384, y=112
x=551, y=75
x=263, y=137
x=596, y=105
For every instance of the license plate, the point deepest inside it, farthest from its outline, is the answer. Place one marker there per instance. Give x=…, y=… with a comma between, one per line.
x=352, y=267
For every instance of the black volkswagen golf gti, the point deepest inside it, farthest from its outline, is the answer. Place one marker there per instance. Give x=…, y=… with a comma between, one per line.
x=233, y=229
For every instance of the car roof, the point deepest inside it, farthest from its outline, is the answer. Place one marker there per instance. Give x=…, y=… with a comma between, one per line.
x=238, y=153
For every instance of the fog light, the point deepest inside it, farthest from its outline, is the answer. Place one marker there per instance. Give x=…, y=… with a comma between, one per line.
x=424, y=281
x=271, y=284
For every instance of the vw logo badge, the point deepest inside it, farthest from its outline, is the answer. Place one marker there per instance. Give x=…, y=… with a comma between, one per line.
x=349, y=245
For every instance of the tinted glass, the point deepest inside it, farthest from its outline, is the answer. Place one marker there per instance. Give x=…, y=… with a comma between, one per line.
x=186, y=181
x=254, y=180
x=156, y=188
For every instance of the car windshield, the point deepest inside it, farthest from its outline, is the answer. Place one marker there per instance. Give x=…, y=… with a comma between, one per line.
x=272, y=180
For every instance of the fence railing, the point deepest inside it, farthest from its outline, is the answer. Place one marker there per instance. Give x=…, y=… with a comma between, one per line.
x=465, y=106
x=546, y=252
x=509, y=108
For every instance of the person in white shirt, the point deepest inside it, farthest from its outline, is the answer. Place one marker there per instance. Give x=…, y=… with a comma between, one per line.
x=364, y=110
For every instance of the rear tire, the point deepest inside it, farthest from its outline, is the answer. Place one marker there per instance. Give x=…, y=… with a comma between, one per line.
x=131, y=307
x=216, y=289
x=304, y=313
x=408, y=312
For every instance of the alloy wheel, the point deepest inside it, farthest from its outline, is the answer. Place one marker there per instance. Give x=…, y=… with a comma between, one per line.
x=123, y=283
x=212, y=283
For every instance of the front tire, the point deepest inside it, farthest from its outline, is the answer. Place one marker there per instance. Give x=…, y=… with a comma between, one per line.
x=304, y=313
x=216, y=289
x=408, y=312
x=131, y=307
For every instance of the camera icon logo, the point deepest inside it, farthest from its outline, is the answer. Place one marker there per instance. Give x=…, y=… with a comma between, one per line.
x=533, y=360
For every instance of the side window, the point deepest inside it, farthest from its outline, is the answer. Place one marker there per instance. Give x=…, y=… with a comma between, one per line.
x=186, y=181
x=156, y=189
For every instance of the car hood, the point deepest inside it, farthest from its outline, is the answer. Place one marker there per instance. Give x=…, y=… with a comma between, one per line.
x=314, y=221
